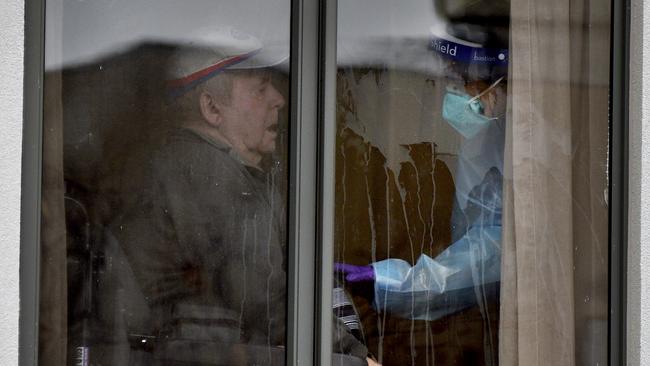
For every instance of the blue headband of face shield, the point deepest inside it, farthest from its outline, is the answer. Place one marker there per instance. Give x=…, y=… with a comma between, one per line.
x=466, y=113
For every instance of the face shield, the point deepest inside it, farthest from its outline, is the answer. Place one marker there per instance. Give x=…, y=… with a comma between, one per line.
x=470, y=72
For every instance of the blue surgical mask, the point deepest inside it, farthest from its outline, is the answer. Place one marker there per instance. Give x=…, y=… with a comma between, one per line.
x=464, y=112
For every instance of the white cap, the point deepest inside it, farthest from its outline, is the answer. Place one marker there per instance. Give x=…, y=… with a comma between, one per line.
x=212, y=50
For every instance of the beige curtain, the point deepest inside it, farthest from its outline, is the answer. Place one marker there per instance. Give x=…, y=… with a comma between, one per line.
x=554, y=284
x=53, y=310
x=53, y=321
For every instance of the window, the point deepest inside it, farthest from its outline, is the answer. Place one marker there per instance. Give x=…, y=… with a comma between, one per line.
x=164, y=239
x=472, y=179
x=355, y=182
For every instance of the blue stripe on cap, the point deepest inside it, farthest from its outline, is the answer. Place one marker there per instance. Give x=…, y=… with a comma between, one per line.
x=468, y=54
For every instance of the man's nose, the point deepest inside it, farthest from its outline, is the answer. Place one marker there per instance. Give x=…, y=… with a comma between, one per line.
x=277, y=100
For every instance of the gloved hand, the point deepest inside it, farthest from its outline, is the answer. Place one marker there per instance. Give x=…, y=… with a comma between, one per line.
x=354, y=273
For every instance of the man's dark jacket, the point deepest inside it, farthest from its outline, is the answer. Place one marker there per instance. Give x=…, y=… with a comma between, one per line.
x=205, y=240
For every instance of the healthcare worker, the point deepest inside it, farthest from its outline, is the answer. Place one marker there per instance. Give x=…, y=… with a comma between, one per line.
x=474, y=66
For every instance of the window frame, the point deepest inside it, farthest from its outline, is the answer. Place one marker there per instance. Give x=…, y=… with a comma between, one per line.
x=30, y=210
x=311, y=181
x=618, y=185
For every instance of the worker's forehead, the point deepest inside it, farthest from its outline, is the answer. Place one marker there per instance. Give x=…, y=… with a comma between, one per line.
x=476, y=84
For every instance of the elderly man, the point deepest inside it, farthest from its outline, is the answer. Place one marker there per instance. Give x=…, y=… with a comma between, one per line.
x=206, y=238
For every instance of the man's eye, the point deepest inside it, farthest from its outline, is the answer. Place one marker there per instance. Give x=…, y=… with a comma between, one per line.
x=259, y=91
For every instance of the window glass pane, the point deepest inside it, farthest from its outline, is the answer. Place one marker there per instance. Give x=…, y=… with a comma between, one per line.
x=165, y=183
x=471, y=222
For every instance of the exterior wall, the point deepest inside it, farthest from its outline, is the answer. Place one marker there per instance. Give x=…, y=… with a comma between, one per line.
x=638, y=309
x=11, y=109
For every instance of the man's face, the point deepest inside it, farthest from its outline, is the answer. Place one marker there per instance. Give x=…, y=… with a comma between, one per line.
x=250, y=120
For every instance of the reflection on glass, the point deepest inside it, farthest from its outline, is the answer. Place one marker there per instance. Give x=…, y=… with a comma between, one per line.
x=164, y=205
x=469, y=175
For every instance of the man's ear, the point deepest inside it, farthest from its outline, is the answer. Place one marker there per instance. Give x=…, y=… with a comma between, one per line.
x=210, y=109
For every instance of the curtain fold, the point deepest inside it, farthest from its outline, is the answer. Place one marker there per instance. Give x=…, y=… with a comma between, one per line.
x=53, y=291
x=53, y=314
x=554, y=260
x=537, y=308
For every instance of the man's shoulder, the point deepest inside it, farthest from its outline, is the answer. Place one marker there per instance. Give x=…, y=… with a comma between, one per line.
x=183, y=146
x=186, y=155
x=187, y=143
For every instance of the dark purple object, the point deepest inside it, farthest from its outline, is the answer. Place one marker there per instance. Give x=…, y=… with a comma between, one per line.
x=354, y=273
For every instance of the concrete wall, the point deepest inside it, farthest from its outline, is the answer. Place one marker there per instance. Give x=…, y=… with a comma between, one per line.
x=638, y=308
x=11, y=109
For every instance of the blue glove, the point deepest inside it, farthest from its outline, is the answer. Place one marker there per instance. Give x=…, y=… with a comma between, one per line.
x=435, y=287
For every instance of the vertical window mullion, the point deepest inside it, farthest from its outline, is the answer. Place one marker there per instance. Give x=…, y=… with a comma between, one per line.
x=303, y=183
x=327, y=142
